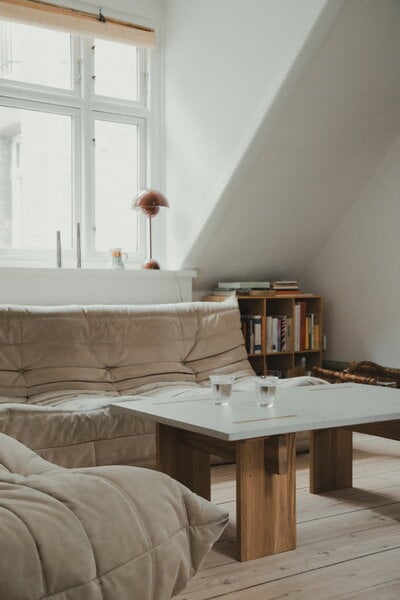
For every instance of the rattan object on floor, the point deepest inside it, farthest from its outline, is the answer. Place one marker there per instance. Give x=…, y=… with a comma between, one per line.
x=366, y=372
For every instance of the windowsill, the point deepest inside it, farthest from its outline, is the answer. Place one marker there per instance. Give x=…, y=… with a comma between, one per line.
x=129, y=271
x=49, y=286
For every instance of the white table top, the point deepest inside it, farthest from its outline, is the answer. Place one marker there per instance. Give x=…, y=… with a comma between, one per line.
x=296, y=409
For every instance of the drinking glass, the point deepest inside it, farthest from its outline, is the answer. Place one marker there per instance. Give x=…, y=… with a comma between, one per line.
x=265, y=388
x=221, y=386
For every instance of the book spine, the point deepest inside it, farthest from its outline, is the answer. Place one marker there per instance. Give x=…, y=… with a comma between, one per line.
x=306, y=333
x=303, y=308
x=269, y=335
x=278, y=334
x=312, y=331
x=275, y=335
x=283, y=334
x=249, y=335
x=316, y=345
x=257, y=334
x=289, y=334
x=297, y=327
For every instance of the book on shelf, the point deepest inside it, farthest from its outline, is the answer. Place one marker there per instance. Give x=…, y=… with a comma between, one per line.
x=279, y=333
x=312, y=333
x=260, y=292
x=241, y=292
x=293, y=293
x=251, y=328
x=297, y=327
x=303, y=311
x=235, y=285
x=227, y=293
x=285, y=285
x=306, y=330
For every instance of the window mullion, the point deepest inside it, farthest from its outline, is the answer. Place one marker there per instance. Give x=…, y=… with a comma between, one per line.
x=87, y=144
x=143, y=76
x=77, y=65
x=77, y=165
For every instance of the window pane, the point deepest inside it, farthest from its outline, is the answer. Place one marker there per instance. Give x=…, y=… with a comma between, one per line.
x=115, y=82
x=35, y=179
x=116, y=183
x=35, y=55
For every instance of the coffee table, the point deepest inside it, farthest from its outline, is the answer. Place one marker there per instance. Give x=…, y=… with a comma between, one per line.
x=262, y=442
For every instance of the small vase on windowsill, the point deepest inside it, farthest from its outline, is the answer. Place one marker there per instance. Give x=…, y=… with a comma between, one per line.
x=117, y=259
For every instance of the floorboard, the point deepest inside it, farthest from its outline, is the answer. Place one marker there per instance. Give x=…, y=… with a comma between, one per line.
x=348, y=540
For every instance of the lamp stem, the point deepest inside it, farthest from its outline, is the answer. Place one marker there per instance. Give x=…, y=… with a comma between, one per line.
x=150, y=239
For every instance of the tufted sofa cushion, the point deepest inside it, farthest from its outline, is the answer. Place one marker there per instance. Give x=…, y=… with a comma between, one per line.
x=115, y=349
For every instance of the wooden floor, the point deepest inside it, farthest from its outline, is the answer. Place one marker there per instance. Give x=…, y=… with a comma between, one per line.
x=348, y=542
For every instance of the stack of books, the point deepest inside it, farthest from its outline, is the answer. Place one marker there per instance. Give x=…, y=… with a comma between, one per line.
x=243, y=288
x=285, y=287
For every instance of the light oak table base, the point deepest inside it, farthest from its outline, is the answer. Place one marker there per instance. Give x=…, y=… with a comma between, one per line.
x=331, y=453
x=265, y=476
x=265, y=483
x=331, y=460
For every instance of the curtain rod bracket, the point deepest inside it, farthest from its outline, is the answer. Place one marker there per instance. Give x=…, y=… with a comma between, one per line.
x=102, y=18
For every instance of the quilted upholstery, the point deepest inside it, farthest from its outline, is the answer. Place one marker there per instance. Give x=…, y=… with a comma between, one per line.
x=114, y=349
x=60, y=367
x=103, y=533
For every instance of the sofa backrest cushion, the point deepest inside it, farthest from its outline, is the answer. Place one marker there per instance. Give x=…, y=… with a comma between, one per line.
x=115, y=348
x=219, y=346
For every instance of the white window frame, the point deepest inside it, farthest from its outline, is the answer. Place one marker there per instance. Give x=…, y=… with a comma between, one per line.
x=90, y=213
x=85, y=108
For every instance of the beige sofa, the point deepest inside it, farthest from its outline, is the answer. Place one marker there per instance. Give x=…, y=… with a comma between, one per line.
x=61, y=367
x=100, y=533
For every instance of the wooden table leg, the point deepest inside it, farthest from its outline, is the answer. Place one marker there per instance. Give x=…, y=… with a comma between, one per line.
x=187, y=465
x=266, y=496
x=331, y=460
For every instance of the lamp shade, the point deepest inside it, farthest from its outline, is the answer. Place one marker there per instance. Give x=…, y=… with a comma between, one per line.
x=150, y=202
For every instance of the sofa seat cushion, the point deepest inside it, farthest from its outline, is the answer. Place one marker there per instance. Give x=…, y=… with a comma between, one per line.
x=106, y=533
x=80, y=431
x=75, y=428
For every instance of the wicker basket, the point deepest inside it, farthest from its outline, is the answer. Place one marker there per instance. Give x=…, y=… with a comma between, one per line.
x=365, y=372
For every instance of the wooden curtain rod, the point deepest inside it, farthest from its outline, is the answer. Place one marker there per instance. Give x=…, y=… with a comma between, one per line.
x=63, y=10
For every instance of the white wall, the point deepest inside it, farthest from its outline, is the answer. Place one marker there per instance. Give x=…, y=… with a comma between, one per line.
x=358, y=273
x=334, y=120
x=220, y=60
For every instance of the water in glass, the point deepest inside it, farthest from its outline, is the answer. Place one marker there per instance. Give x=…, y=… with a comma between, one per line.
x=221, y=388
x=265, y=389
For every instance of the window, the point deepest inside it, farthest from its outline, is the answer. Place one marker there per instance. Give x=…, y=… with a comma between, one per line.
x=73, y=137
x=36, y=176
x=25, y=55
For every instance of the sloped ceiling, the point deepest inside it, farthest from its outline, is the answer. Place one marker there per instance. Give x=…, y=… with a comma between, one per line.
x=337, y=128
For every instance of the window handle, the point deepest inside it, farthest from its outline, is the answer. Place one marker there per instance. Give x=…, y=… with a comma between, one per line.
x=78, y=71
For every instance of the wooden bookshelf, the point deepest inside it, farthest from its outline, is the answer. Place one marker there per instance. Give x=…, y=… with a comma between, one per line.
x=292, y=360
